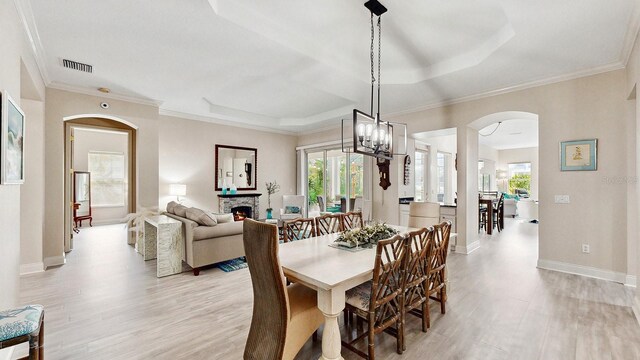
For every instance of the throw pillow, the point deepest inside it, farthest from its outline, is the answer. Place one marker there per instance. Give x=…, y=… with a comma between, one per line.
x=292, y=210
x=180, y=210
x=171, y=207
x=224, y=218
x=201, y=217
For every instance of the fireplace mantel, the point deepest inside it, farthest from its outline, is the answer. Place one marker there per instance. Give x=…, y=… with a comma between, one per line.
x=225, y=196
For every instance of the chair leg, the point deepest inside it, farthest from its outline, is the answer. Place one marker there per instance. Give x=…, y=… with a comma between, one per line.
x=425, y=312
x=442, y=299
x=371, y=342
x=400, y=336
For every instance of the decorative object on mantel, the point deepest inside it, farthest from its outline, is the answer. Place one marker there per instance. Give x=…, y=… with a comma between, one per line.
x=370, y=234
x=135, y=223
x=233, y=189
x=224, y=187
x=407, y=169
x=579, y=155
x=12, y=143
x=272, y=188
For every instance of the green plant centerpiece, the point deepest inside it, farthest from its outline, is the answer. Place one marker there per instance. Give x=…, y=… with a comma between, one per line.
x=366, y=235
x=272, y=188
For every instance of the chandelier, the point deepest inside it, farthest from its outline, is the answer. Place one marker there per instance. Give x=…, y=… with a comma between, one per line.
x=371, y=135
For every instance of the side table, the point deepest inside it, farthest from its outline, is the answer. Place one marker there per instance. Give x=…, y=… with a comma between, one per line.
x=163, y=240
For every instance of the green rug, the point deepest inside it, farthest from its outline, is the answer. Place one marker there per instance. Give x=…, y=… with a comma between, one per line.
x=233, y=264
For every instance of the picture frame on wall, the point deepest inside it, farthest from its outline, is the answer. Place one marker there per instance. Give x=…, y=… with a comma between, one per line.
x=12, y=134
x=579, y=155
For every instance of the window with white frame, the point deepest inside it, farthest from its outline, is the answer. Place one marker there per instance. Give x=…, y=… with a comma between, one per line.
x=108, y=178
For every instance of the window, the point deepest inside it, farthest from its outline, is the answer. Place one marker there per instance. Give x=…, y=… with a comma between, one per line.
x=520, y=178
x=421, y=178
x=107, y=178
x=333, y=177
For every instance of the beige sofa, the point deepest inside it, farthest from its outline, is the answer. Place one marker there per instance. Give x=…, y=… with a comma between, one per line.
x=206, y=245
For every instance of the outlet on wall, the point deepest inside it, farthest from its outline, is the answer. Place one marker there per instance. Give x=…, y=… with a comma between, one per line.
x=585, y=249
x=562, y=199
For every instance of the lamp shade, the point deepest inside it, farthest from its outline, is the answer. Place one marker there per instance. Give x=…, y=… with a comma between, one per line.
x=178, y=189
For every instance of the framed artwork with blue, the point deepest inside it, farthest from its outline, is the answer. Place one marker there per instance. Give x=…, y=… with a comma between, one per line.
x=579, y=155
x=12, y=132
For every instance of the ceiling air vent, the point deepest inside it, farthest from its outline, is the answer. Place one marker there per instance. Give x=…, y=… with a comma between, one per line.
x=70, y=64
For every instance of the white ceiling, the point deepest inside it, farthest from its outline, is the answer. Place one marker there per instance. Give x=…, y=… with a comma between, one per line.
x=301, y=65
x=511, y=134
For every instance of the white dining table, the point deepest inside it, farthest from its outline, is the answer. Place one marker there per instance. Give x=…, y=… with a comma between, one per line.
x=331, y=272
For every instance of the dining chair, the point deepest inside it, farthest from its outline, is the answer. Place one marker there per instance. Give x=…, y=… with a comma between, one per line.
x=21, y=325
x=352, y=220
x=498, y=213
x=379, y=302
x=329, y=224
x=437, y=261
x=416, y=274
x=284, y=317
x=299, y=229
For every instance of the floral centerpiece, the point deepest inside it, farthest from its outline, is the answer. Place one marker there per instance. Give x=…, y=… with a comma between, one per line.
x=370, y=234
x=272, y=188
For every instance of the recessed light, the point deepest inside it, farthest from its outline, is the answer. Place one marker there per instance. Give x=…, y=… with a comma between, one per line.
x=515, y=133
x=104, y=90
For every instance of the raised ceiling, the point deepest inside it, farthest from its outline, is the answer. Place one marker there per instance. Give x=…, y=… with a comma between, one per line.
x=302, y=65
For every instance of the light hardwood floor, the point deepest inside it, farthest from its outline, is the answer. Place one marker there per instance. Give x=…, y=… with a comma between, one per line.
x=106, y=303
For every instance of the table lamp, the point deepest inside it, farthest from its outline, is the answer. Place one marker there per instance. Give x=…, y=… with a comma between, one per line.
x=178, y=190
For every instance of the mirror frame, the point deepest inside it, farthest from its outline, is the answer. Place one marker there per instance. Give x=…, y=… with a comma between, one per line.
x=255, y=169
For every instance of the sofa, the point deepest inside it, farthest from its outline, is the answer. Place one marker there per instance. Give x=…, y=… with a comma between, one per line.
x=209, y=238
x=510, y=207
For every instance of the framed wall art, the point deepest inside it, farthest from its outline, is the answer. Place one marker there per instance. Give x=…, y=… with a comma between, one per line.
x=579, y=155
x=12, y=123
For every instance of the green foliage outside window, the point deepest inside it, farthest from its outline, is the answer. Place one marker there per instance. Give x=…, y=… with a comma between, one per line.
x=519, y=181
x=316, y=179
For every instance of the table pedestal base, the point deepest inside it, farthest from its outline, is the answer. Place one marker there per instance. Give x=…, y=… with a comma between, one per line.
x=331, y=304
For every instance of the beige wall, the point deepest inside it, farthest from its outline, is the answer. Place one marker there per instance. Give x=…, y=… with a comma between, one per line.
x=61, y=104
x=86, y=140
x=186, y=156
x=506, y=157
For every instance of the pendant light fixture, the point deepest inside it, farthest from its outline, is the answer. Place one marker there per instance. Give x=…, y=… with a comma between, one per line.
x=371, y=135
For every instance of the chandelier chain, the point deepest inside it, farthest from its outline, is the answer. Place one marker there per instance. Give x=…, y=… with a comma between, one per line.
x=379, y=57
x=373, y=77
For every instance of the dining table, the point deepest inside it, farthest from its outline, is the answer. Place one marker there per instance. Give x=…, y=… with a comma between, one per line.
x=331, y=271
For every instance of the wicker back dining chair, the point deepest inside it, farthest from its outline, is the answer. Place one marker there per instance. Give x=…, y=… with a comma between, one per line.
x=329, y=224
x=420, y=245
x=299, y=229
x=379, y=301
x=437, y=261
x=284, y=317
x=352, y=220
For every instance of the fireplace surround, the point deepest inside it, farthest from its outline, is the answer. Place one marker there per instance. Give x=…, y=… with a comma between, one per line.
x=250, y=201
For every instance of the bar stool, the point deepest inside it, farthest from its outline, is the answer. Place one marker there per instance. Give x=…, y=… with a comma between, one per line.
x=21, y=325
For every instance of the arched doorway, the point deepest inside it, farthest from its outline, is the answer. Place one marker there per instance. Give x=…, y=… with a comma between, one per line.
x=99, y=124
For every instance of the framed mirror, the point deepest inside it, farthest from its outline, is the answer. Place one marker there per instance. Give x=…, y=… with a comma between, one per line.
x=236, y=165
x=81, y=197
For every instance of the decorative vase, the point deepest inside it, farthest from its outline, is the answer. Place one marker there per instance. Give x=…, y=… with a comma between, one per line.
x=233, y=189
x=269, y=216
x=224, y=190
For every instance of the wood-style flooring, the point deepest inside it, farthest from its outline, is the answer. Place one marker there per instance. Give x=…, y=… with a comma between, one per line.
x=106, y=303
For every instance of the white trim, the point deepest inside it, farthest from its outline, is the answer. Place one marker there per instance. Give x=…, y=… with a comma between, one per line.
x=587, y=271
x=319, y=145
x=31, y=30
x=31, y=268
x=106, y=222
x=468, y=249
x=630, y=36
x=7, y=353
x=532, y=84
x=54, y=261
x=630, y=280
x=100, y=116
x=230, y=123
x=96, y=93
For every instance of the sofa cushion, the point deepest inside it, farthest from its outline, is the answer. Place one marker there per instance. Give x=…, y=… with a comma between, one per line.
x=224, y=229
x=171, y=207
x=201, y=217
x=292, y=210
x=180, y=210
x=224, y=218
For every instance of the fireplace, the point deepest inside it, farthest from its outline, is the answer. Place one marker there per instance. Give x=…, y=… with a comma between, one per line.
x=241, y=212
x=248, y=203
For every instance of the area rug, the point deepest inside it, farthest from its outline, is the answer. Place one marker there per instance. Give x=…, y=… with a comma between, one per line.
x=232, y=265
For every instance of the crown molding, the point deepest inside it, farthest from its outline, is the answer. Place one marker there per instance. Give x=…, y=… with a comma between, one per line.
x=96, y=93
x=236, y=124
x=532, y=84
x=631, y=35
x=31, y=30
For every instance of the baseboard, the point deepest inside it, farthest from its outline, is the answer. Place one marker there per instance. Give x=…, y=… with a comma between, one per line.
x=583, y=271
x=468, y=249
x=630, y=281
x=54, y=261
x=636, y=308
x=103, y=222
x=31, y=268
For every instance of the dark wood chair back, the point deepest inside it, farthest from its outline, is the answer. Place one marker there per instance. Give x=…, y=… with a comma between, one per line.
x=420, y=245
x=270, y=310
x=299, y=229
x=388, y=279
x=329, y=224
x=438, y=256
x=352, y=220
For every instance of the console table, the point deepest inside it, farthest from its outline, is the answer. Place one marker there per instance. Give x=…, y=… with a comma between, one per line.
x=163, y=240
